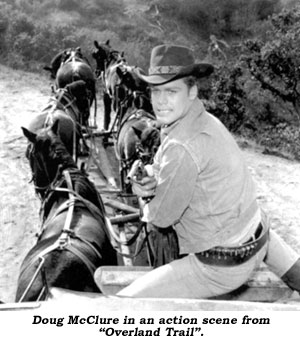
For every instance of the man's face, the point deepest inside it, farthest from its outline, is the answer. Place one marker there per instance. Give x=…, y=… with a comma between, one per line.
x=171, y=101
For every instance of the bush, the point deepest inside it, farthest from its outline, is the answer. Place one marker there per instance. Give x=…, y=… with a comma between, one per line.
x=283, y=138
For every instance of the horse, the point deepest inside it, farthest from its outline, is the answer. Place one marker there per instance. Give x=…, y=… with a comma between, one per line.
x=137, y=139
x=73, y=241
x=107, y=60
x=71, y=65
x=62, y=106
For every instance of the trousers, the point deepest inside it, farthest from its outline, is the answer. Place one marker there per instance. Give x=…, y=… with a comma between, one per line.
x=190, y=278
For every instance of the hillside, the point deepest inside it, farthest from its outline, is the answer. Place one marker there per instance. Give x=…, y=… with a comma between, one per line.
x=133, y=26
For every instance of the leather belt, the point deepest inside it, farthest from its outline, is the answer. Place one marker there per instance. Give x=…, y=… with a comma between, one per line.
x=229, y=256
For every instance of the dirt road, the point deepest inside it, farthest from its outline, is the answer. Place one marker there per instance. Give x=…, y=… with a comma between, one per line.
x=23, y=95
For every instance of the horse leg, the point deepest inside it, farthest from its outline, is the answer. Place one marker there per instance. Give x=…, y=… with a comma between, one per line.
x=107, y=110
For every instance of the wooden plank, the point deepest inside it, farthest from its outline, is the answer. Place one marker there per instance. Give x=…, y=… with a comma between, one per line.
x=98, y=302
x=120, y=206
x=111, y=279
x=264, y=286
x=62, y=298
x=121, y=219
x=20, y=306
x=99, y=161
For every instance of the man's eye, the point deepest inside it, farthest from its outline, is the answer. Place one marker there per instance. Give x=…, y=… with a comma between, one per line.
x=171, y=91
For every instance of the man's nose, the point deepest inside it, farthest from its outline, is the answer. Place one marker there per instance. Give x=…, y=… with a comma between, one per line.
x=162, y=98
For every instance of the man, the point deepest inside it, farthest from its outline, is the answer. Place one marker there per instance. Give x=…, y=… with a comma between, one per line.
x=202, y=187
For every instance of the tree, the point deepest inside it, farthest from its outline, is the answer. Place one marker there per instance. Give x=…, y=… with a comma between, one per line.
x=275, y=61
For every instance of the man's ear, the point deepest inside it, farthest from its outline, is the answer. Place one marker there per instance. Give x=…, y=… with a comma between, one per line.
x=193, y=92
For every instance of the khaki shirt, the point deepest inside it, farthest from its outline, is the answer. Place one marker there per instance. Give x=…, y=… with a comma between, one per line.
x=204, y=188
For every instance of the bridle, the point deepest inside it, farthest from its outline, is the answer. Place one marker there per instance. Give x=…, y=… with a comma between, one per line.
x=38, y=164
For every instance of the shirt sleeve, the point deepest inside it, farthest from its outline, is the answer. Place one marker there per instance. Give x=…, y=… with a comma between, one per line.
x=176, y=183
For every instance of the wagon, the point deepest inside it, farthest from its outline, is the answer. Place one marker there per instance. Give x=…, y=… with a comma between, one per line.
x=264, y=291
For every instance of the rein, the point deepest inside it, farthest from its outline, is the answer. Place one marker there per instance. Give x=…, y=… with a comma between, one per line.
x=129, y=242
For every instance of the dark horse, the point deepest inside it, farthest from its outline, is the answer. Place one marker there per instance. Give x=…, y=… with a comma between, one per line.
x=137, y=138
x=62, y=106
x=107, y=61
x=71, y=65
x=73, y=240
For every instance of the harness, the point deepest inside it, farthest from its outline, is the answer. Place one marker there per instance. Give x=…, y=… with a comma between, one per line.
x=63, y=242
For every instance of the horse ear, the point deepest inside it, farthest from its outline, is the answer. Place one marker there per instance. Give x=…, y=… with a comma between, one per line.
x=107, y=42
x=30, y=136
x=96, y=44
x=137, y=131
x=55, y=127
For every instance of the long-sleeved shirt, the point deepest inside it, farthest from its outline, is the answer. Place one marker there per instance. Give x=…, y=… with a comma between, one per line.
x=204, y=188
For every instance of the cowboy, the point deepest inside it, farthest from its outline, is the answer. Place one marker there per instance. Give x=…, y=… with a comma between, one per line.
x=202, y=187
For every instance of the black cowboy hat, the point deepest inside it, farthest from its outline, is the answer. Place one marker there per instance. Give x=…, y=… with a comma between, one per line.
x=171, y=62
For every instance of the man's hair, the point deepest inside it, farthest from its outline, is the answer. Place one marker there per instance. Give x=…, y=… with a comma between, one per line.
x=190, y=81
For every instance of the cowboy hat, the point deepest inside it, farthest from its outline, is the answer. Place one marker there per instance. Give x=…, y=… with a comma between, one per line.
x=171, y=62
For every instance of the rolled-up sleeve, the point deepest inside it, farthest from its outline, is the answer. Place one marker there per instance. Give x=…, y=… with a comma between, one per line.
x=176, y=183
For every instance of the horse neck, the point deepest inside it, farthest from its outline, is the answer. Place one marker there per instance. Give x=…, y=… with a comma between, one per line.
x=51, y=205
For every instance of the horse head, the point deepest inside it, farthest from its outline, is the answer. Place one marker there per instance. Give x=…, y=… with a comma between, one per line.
x=47, y=156
x=129, y=78
x=104, y=55
x=149, y=141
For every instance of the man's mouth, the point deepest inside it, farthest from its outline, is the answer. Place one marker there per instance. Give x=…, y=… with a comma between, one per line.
x=163, y=111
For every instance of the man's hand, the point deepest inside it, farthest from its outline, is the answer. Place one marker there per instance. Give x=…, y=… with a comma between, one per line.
x=145, y=187
x=142, y=179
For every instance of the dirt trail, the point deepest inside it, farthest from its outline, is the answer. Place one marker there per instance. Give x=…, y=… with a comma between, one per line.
x=23, y=95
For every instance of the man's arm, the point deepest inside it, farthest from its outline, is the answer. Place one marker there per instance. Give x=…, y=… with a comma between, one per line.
x=175, y=187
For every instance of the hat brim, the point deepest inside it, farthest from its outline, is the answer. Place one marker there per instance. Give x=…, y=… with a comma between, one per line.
x=199, y=70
